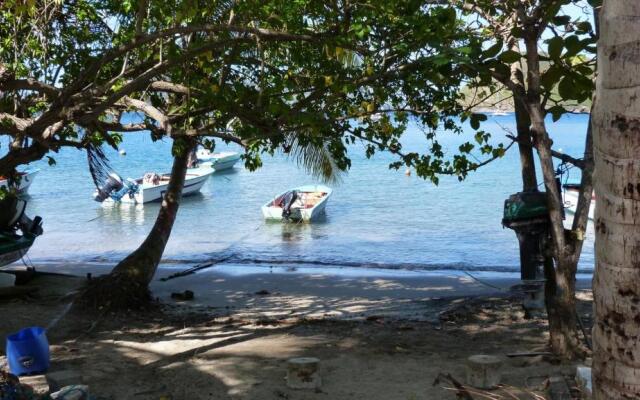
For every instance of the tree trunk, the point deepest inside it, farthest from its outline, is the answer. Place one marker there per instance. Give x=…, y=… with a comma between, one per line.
x=616, y=128
x=127, y=286
x=527, y=163
x=560, y=285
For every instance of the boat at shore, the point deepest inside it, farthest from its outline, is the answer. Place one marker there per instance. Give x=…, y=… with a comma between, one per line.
x=26, y=179
x=218, y=161
x=571, y=194
x=17, y=231
x=151, y=187
x=304, y=203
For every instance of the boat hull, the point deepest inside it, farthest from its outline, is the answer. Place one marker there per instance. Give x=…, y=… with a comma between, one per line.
x=25, y=182
x=13, y=251
x=272, y=213
x=571, y=203
x=149, y=193
x=219, y=161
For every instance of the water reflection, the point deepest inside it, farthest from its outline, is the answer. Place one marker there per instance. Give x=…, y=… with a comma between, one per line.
x=293, y=232
x=132, y=214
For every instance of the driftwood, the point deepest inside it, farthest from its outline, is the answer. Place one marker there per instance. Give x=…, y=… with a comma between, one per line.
x=17, y=291
x=189, y=271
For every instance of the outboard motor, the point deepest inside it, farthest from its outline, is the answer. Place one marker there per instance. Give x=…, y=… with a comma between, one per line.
x=113, y=183
x=287, y=201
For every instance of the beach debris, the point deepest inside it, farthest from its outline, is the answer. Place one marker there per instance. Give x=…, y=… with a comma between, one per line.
x=263, y=292
x=60, y=379
x=192, y=270
x=182, y=296
x=36, y=382
x=302, y=373
x=583, y=379
x=483, y=371
x=461, y=391
x=72, y=392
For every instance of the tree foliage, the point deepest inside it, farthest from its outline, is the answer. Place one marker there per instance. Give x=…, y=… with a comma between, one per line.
x=272, y=76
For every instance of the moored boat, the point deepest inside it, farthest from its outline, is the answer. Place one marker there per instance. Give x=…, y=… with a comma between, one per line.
x=571, y=194
x=219, y=161
x=17, y=231
x=26, y=179
x=304, y=203
x=151, y=187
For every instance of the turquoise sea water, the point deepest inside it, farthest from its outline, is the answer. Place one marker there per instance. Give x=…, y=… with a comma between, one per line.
x=376, y=218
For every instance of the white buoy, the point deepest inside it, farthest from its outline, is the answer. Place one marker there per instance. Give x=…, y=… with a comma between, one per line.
x=408, y=172
x=122, y=152
x=483, y=371
x=302, y=373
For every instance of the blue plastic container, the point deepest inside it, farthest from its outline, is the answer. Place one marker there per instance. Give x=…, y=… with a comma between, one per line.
x=28, y=351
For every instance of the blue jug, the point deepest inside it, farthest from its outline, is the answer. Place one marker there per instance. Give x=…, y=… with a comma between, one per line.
x=28, y=351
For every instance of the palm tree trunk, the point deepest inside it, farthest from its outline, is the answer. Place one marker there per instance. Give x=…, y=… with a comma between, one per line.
x=127, y=286
x=616, y=127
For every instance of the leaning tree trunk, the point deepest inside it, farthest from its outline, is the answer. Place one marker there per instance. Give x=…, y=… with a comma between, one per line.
x=616, y=125
x=560, y=286
x=127, y=286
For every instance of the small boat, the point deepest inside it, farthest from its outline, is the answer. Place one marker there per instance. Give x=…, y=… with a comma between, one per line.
x=219, y=161
x=571, y=194
x=304, y=203
x=26, y=179
x=151, y=187
x=17, y=231
x=499, y=114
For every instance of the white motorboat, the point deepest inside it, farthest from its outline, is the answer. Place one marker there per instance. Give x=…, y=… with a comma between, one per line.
x=304, y=203
x=151, y=187
x=571, y=202
x=26, y=179
x=218, y=161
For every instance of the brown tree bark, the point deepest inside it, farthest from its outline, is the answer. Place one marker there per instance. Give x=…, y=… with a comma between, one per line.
x=616, y=128
x=127, y=286
x=561, y=278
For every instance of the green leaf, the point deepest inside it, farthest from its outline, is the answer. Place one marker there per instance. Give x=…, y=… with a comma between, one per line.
x=556, y=112
x=555, y=47
x=510, y=56
x=573, y=45
x=493, y=50
x=566, y=88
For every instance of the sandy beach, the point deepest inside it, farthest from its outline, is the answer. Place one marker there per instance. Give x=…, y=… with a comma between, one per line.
x=378, y=334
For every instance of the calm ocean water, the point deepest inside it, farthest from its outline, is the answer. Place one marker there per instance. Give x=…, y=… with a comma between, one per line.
x=376, y=218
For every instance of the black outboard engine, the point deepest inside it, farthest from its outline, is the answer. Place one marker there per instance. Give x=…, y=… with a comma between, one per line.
x=287, y=201
x=113, y=183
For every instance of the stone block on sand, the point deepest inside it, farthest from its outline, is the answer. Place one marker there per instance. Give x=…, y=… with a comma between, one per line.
x=483, y=371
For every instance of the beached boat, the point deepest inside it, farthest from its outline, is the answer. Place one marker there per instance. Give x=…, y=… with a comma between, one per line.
x=304, y=203
x=26, y=179
x=218, y=161
x=571, y=201
x=151, y=187
x=17, y=231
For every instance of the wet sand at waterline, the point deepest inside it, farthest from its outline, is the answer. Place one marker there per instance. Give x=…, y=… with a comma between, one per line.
x=377, y=336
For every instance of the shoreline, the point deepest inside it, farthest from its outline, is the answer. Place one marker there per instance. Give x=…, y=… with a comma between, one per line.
x=345, y=293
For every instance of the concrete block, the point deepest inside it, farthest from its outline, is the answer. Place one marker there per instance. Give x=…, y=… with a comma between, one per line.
x=583, y=379
x=59, y=379
x=302, y=373
x=483, y=371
